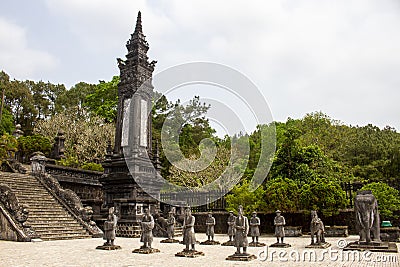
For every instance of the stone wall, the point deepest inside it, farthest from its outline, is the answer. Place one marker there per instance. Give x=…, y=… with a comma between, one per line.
x=6, y=230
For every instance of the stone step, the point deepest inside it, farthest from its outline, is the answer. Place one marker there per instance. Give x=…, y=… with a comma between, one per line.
x=47, y=216
x=53, y=231
x=64, y=237
x=39, y=207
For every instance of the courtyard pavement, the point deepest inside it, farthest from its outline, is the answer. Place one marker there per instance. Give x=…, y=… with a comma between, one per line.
x=82, y=252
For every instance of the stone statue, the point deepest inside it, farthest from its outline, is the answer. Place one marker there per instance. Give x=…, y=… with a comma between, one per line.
x=279, y=223
x=241, y=231
x=255, y=230
x=254, y=227
x=146, y=237
x=231, y=229
x=170, y=225
x=210, y=223
x=147, y=229
x=367, y=216
x=189, y=238
x=317, y=229
x=368, y=225
x=231, y=225
x=110, y=225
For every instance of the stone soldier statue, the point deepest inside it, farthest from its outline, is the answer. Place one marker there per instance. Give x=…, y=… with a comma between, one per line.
x=242, y=230
x=110, y=225
x=279, y=223
x=254, y=227
x=147, y=229
x=170, y=225
x=188, y=230
x=210, y=223
x=231, y=225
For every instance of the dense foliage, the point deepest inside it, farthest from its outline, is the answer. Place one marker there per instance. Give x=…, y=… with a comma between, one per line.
x=388, y=198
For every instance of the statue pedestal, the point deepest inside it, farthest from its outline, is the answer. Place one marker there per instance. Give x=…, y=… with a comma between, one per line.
x=143, y=250
x=189, y=253
x=280, y=245
x=322, y=245
x=170, y=241
x=372, y=246
x=241, y=257
x=228, y=243
x=108, y=247
x=210, y=242
x=256, y=244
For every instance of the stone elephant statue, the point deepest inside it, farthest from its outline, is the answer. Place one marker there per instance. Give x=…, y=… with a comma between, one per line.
x=367, y=216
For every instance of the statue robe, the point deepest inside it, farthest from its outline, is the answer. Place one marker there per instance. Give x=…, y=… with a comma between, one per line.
x=188, y=230
x=210, y=222
x=147, y=228
x=254, y=226
x=279, y=222
x=242, y=230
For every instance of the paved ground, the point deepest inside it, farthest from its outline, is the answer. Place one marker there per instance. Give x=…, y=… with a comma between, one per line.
x=83, y=253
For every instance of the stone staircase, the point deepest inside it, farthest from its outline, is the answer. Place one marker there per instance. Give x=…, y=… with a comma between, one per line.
x=47, y=216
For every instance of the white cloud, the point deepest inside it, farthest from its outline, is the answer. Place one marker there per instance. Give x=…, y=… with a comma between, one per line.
x=17, y=58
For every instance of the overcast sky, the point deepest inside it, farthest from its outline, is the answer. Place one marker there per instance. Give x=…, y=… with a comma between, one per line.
x=338, y=57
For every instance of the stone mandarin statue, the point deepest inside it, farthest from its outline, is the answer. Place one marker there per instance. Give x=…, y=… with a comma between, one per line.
x=110, y=226
x=210, y=223
x=231, y=225
x=279, y=223
x=254, y=227
x=147, y=225
x=241, y=231
x=189, y=238
x=147, y=229
x=170, y=225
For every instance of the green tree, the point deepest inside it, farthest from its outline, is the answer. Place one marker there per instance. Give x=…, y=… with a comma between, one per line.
x=8, y=146
x=27, y=145
x=388, y=198
x=74, y=98
x=241, y=195
x=323, y=195
x=282, y=194
x=103, y=100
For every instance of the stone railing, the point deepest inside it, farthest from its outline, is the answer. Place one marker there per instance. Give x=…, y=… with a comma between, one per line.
x=13, y=217
x=71, y=202
x=73, y=175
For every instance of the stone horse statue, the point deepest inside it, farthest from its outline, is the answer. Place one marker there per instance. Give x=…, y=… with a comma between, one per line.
x=317, y=229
